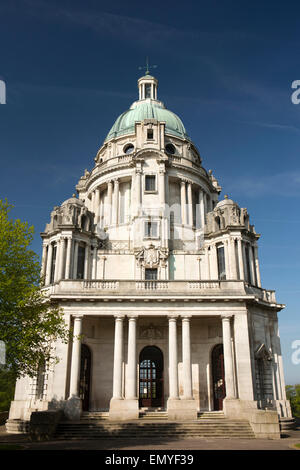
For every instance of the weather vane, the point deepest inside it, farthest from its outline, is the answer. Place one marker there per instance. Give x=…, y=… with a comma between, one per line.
x=147, y=67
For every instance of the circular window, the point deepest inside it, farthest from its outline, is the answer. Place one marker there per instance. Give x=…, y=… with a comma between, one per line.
x=170, y=149
x=128, y=148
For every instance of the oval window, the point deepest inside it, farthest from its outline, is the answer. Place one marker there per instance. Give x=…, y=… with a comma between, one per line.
x=128, y=148
x=170, y=149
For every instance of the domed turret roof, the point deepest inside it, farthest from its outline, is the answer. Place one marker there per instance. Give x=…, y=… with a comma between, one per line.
x=226, y=202
x=73, y=200
x=147, y=108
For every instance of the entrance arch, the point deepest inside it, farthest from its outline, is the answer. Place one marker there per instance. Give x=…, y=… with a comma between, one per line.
x=85, y=377
x=218, y=376
x=151, y=390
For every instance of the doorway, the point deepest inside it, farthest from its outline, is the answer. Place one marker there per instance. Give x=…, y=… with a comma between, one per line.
x=151, y=378
x=218, y=376
x=85, y=377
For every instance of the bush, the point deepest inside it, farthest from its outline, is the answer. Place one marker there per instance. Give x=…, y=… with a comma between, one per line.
x=293, y=394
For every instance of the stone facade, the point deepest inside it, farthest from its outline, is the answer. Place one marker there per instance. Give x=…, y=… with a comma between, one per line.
x=162, y=282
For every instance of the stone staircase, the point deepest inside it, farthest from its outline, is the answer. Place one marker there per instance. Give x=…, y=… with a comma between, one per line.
x=154, y=425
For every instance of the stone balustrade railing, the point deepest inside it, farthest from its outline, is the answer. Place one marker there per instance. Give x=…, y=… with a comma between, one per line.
x=180, y=289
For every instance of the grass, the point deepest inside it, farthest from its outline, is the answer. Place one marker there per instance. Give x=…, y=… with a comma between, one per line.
x=10, y=447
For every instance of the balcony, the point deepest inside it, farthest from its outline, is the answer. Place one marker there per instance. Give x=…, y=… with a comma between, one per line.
x=171, y=290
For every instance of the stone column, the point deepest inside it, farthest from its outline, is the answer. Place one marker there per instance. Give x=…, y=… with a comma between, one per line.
x=183, y=202
x=93, y=202
x=68, y=258
x=137, y=194
x=119, y=408
x=173, y=361
x=227, y=260
x=131, y=379
x=61, y=259
x=49, y=263
x=190, y=203
x=87, y=262
x=251, y=262
x=109, y=203
x=57, y=260
x=240, y=256
x=97, y=206
x=103, y=258
x=214, y=262
x=186, y=359
x=118, y=358
x=115, y=207
x=44, y=261
x=257, y=266
x=162, y=189
x=228, y=357
x=232, y=258
x=75, y=260
x=75, y=362
x=201, y=204
x=94, y=273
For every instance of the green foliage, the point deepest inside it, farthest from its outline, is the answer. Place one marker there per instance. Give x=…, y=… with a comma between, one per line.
x=293, y=394
x=29, y=322
x=7, y=388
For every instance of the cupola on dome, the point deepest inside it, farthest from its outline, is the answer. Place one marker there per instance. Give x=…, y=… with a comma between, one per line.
x=147, y=107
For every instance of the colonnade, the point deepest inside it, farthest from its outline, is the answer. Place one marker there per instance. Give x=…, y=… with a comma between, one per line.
x=239, y=265
x=131, y=381
x=111, y=213
x=60, y=259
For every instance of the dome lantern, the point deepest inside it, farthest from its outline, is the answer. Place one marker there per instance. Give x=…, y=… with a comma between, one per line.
x=147, y=87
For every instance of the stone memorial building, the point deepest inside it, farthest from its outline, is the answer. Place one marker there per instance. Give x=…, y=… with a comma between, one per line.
x=159, y=281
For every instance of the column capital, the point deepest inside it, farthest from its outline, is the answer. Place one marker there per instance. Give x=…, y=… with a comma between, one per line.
x=132, y=317
x=173, y=317
x=186, y=317
x=78, y=316
x=119, y=316
x=226, y=316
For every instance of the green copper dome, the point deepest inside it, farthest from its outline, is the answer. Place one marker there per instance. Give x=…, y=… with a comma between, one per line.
x=147, y=109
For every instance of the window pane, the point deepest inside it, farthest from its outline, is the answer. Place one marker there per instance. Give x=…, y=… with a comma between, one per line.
x=221, y=262
x=150, y=275
x=150, y=183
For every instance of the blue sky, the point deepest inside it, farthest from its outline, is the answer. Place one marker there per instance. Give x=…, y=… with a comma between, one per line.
x=225, y=67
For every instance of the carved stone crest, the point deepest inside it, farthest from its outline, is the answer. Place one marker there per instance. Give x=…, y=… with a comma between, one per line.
x=152, y=257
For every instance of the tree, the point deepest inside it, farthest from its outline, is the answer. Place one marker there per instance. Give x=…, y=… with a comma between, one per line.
x=29, y=321
x=293, y=394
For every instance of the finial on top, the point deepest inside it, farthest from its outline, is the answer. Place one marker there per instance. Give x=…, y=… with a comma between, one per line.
x=147, y=67
x=226, y=196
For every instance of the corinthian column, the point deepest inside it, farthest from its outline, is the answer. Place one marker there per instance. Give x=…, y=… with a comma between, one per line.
x=75, y=363
x=115, y=207
x=190, y=203
x=68, y=258
x=183, y=202
x=49, y=263
x=228, y=357
x=173, y=361
x=118, y=357
x=109, y=203
x=186, y=359
x=131, y=382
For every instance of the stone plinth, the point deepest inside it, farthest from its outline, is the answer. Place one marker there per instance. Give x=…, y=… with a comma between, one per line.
x=123, y=409
x=181, y=409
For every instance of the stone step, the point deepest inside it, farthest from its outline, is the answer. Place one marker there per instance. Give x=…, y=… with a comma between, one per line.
x=138, y=429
